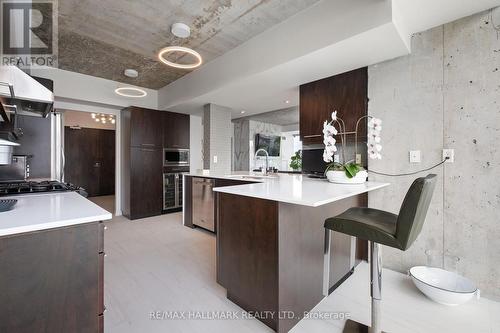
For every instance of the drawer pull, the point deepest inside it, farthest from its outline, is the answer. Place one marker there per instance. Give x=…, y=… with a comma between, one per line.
x=312, y=136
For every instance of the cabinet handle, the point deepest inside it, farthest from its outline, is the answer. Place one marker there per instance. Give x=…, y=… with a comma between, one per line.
x=148, y=144
x=150, y=150
x=312, y=136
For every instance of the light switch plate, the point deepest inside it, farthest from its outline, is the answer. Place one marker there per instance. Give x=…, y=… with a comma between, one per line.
x=336, y=158
x=415, y=156
x=450, y=153
x=358, y=159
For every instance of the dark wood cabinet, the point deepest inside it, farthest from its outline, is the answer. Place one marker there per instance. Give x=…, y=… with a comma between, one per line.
x=175, y=130
x=347, y=93
x=51, y=280
x=90, y=159
x=144, y=134
x=145, y=127
x=146, y=181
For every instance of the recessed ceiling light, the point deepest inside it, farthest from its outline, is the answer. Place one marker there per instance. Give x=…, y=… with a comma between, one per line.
x=130, y=92
x=180, y=30
x=287, y=102
x=131, y=73
x=170, y=49
x=243, y=111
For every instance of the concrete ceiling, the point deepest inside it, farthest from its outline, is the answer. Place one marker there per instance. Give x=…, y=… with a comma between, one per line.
x=102, y=38
x=332, y=37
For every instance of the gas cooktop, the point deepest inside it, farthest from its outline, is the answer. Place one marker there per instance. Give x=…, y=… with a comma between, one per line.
x=27, y=187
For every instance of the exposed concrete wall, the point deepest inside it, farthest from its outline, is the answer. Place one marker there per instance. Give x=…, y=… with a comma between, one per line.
x=217, y=138
x=445, y=95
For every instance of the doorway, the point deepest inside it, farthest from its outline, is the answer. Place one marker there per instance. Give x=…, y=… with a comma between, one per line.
x=89, y=153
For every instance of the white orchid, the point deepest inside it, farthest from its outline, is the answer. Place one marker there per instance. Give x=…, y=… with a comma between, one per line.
x=329, y=129
x=329, y=141
x=374, y=146
x=334, y=115
x=327, y=157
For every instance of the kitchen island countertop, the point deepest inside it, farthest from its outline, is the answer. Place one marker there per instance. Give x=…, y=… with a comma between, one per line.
x=292, y=188
x=35, y=212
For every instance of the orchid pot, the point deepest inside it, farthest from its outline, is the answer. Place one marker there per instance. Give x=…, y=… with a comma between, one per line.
x=339, y=177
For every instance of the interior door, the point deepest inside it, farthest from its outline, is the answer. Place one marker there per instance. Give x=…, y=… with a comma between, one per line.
x=90, y=159
x=81, y=151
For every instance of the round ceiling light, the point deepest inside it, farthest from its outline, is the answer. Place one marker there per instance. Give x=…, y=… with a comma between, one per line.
x=130, y=92
x=170, y=49
x=180, y=30
x=129, y=72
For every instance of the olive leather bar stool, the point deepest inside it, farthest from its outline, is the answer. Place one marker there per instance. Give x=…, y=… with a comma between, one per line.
x=380, y=227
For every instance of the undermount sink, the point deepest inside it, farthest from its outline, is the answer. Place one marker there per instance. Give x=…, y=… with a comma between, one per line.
x=255, y=177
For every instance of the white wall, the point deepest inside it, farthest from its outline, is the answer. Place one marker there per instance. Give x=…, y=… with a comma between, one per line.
x=81, y=88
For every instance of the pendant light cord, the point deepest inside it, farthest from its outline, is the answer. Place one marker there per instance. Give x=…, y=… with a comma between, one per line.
x=410, y=173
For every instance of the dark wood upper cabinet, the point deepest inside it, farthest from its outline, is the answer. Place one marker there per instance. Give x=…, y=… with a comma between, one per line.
x=175, y=130
x=145, y=127
x=347, y=93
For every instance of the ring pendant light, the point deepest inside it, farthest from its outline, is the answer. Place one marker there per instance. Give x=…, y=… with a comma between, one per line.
x=170, y=49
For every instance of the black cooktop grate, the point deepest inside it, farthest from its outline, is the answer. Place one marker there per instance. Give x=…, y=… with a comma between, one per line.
x=6, y=205
x=34, y=187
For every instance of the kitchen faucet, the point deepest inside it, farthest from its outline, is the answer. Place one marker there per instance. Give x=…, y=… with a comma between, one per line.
x=267, y=159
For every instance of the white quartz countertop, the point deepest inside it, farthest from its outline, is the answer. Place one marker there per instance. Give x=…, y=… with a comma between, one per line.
x=36, y=212
x=292, y=188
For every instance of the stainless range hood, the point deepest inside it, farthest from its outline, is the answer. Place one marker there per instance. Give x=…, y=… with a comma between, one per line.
x=22, y=94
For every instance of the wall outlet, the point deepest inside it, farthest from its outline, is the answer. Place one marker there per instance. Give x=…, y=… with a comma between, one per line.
x=336, y=158
x=215, y=159
x=415, y=156
x=358, y=159
x=450, y=154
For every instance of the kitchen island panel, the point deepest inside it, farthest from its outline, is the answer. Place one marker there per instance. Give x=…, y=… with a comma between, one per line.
x=247, y=252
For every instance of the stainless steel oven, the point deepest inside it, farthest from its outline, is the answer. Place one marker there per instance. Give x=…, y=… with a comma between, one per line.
x=175, y=157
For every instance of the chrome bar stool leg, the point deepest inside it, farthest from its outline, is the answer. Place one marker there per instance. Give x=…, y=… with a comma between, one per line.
x=376, y=285
x=326, y=263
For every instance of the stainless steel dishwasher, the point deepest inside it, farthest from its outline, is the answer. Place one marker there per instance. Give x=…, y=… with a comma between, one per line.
x=203, y=203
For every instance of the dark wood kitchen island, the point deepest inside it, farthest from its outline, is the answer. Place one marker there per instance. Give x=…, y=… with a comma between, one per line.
x=270, y=244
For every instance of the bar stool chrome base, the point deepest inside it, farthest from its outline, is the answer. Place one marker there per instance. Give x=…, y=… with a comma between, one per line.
x=375, y=286
x=352, y=326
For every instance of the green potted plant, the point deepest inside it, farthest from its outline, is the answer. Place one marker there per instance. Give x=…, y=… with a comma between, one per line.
x=348, y=171
x=296, y=161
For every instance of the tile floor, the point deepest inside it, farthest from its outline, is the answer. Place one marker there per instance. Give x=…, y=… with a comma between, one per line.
x=156, y=264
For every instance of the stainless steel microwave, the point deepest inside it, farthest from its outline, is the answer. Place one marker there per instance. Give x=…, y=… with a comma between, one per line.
x=175, y=157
